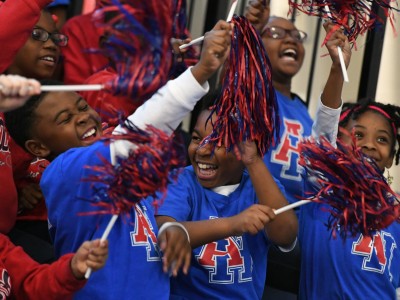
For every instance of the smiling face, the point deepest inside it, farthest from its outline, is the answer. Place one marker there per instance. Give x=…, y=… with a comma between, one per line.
x=375, y=137
x=287, y=54
x=37, y=59
x=63, y=120
x=212, y=170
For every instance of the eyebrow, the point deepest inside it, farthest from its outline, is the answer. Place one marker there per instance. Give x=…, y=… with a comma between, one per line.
x=38, y=27
x=380, y=130
x=66, y=110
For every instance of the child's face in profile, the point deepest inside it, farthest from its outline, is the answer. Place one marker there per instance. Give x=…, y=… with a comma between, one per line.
x=212, y=169
x=64, y=120
x=374, y=135
x=37, y=59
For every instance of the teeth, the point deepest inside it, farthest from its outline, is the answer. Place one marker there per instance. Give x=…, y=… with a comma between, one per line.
x=206, y=166
x=48, y=58
x=290, y=52
x=89, y=133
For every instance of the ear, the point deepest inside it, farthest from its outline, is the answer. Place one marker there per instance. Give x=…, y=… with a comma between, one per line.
x=37, y=149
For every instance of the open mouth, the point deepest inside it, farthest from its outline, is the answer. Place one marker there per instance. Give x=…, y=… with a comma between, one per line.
x=50, y=60
x=289, y=54
x=89, y=135
x=206, y=171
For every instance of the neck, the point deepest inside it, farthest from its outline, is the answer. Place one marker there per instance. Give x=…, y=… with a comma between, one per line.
x=283, y=87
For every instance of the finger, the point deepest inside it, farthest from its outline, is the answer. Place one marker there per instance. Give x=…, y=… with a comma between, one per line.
x=186, y=263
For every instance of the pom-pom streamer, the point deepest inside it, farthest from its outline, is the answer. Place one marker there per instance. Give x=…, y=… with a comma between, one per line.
x=355, y=16
x=145, y=172
x=138, y=44
x=359, y=198
x=246, y=109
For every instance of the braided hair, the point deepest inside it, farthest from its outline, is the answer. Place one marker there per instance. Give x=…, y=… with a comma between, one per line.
x=352, y=111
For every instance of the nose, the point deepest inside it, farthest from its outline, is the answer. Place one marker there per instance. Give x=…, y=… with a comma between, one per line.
x=368, y=146
x=204, y=150
x=49, y=44
x=82, y=117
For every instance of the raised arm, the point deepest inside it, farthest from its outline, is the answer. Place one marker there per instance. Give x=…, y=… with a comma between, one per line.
x=167, y=108
x=327, y=117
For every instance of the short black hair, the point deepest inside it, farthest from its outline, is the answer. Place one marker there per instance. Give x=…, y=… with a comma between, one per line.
x=19, y=122
x=352, y=111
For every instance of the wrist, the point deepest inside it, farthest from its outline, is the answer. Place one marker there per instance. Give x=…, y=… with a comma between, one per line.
x=200, y=73
x=75, y=270
x=166, y=225
x=253, y=161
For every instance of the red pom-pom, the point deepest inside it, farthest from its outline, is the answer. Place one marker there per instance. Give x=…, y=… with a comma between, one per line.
x=350, y=183
x=246, y=109
x=355, y=16
x=138, y=35
x=145, y=172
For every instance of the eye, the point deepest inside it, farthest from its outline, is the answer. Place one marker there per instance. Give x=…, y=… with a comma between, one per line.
x=66, y=119
x=38, y=34
x=383, y=140
x=84, y=107
x=358, y=135
x=195, y=139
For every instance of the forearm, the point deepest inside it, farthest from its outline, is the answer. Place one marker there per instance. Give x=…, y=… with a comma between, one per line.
x=32, y=280
x=199, y=231
x=326, y=121
x=164, y=110
x=332, y=93
x=283, y=229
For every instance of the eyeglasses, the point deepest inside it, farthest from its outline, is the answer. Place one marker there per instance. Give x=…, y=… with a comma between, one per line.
x=42, y=35
x=280, y=33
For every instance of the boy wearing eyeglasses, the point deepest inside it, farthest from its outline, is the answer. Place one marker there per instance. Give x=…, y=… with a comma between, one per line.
x=36, y=58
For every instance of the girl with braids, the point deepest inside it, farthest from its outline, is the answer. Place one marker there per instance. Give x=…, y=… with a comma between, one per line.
x=361, y=266
x=353, y=111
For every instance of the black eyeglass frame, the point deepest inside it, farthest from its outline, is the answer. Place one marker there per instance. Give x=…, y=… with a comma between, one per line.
x=59, y=39
x=298, y=35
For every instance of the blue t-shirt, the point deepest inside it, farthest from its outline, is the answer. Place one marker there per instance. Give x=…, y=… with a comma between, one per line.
x=283, y=159
x=357, y=268
x=232, y=268
x=134, y=264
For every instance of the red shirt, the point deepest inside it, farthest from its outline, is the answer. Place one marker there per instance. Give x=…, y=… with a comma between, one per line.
x=79, y=63
x=8, y=192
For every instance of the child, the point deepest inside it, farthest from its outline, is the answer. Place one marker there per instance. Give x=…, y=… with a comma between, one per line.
x=22, y=15
x=284, y=45
x=17, y=18
x=21, y=276
x=39, y=56
x=64, y=129
x=230, y=219
x=362, y=266
x=38, y=59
